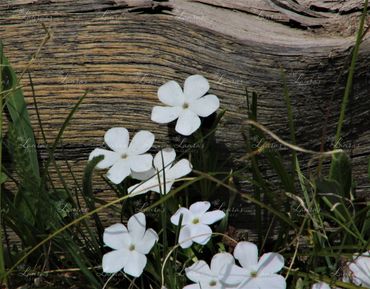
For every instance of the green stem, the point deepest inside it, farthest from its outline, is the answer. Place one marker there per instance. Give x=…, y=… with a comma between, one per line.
x=290, y=115
x=351, y=74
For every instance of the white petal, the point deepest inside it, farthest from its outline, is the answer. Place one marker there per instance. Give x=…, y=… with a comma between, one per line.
x=205, y=106
x=200, y=233
x=247, y=254
x=180, y=169
x=195, y=86
x=143, y=176
x=209, y=218
x=219, y=263
x=171, y=94
x=146, y=186
x=361, y=270
x=186, y=217
x=162, y=114
x=114, y=261
x=232, y=275
x=199, y=208
x=119, y=171
x=192, y=286
x=141, y=163
x=270, y=263
x=363, y=264
x=199, y=272
x=141, y=142
x=136, y=264
x=320, y=285
x=117, y=139
x=272, y=282
x=187, y=123
x=163, y=184
x=136, y=226
x=109, y=158
x=185, y=239
x=116, y=236
x=146, y=244
x=164, y=158
x=165, y=188
x=250, y=283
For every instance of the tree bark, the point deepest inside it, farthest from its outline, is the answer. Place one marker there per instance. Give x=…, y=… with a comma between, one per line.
x=122, y=51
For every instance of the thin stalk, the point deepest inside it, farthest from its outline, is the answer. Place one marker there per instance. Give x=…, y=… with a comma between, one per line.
x=351, y=73
x=290, y=121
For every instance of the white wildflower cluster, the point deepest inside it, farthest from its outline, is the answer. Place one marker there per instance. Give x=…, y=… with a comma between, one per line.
x=242, y=270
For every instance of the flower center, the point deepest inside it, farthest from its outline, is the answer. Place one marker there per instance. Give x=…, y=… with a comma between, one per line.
x=124, y=156
x=196, y=221
x=254, y=274
x=185, y=105
x=132, y=247
x=213, y=283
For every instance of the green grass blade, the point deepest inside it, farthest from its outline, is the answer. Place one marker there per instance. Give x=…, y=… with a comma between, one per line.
x=88, y=193
x=59, y=136
x=22, y=143
x=351, y=73
x=17, y=109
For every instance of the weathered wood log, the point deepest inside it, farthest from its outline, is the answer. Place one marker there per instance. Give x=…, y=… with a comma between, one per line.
x=122, y=51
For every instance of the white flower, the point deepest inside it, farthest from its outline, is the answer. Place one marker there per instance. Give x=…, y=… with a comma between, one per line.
x=164, y=173
x=320, y=285
x=124, y=158
x=260, y=273
x=222, y=274
x=130, y=246
x=195, y=221
x=187, y=105
x=360, y=269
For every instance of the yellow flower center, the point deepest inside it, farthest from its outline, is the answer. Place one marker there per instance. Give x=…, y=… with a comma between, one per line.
x=195, y=221
x=213, y=283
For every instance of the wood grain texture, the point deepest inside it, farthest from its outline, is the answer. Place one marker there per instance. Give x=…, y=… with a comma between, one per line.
x=122, y=51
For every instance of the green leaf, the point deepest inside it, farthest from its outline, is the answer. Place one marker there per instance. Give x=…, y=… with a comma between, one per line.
x=19, y=117
x=330, y=195
x=330, y=188
x=3, y=178
x=22, y=144
x=88, y=191
x=341, y=172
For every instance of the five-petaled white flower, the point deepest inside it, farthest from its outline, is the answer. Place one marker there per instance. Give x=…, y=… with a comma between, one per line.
x=222, y=274
x=130, y=246
x=360, y=269
x=262, y=273
x=195, y=221
x=164, y=173
x=125, y=158
x=320, y=285
x=187, y=105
